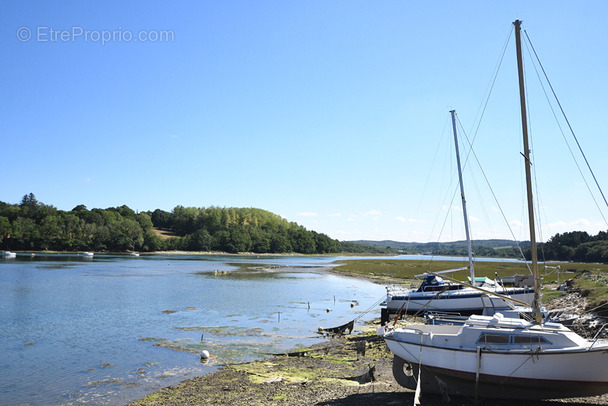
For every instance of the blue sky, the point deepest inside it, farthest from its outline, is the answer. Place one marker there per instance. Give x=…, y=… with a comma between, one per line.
x=334, y=115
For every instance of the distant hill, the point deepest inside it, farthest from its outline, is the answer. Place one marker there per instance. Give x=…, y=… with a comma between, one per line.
x=481, y=248
x=34, y=226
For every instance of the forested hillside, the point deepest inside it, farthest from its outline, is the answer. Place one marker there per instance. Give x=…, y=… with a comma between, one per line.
x=576, y=246
x=481, y=248
x=33, y=225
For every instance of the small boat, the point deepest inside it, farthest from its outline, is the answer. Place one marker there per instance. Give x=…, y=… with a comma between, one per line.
x=8, y=254
x=437, y=294
x=338, y=331
x=499, y=356
x=134, y=254
x=87, y=254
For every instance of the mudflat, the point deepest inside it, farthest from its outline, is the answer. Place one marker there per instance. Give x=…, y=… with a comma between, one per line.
x=336, y=372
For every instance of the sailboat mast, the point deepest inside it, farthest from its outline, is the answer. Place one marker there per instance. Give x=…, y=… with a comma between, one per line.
x=464, y=202
x=528, y=163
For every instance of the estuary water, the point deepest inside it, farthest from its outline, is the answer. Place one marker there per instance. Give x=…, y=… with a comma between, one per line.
x=111, y=329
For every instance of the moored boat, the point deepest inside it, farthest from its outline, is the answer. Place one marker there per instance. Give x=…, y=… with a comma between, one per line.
x=437, y=294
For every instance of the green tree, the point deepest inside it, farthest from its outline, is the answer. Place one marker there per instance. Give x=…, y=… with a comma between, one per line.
x=50, y=232
x=5, y=228
x=125, y=235
x=162, y=219
x=200, y=240
x=25, y=233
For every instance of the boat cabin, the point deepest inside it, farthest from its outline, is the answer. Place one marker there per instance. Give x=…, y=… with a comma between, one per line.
x=433, y=283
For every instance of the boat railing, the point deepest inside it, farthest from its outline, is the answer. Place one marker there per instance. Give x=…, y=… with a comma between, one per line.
x=597, y=336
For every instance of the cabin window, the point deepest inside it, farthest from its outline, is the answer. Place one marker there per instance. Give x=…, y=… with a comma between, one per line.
x=442, y=287
x=528, y=340
x=511, y=339
x=494, y=339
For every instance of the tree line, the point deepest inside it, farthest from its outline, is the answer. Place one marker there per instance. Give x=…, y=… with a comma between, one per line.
x=481, y=248
x=577, y=246
x=33, y=225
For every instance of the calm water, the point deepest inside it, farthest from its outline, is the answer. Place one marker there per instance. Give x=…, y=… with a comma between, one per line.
x=112, y=329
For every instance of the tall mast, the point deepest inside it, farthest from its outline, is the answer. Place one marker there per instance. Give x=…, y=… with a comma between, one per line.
x=528, y=163
x=464, y=202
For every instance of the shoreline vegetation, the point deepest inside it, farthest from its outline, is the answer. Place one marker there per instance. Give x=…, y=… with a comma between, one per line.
x=356, y=369
x=34, y=226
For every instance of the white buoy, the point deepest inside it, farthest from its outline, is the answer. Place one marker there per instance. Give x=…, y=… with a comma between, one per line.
x=204, y=354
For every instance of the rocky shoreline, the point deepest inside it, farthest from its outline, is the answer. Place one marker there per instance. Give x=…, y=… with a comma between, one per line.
x=346, y=370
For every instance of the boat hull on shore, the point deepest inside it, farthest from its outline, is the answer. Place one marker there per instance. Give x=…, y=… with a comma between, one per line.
x=436, y=380
x=498, y=357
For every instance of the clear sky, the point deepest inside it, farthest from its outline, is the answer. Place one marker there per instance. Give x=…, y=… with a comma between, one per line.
x=332, y=114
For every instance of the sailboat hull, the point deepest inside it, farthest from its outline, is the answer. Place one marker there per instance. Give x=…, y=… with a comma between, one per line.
x=461, y=301
x=527, y=373
x=458, y=383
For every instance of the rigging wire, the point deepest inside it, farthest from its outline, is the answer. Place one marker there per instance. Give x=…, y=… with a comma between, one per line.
x=426, y=183
x=479, y=120
x=477, y=189
x=571, y=131
x=437, y=149
x=531, y=155
x=479, y=117
x=482, y=108
x=496, y=201
x=443, y=200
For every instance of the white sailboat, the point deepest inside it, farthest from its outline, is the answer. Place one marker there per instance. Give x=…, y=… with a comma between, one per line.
x=498, y=356
x=436, y=294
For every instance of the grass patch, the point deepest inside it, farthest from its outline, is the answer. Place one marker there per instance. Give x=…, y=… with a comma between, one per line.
x=590, y=279
x=406, y=270
x=550, y=294
x=593, y=286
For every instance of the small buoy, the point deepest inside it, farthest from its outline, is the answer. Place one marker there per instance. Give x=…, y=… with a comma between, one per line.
x=204, y=354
